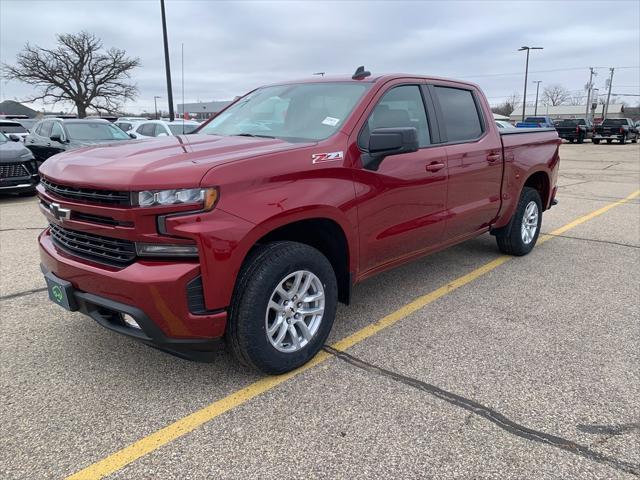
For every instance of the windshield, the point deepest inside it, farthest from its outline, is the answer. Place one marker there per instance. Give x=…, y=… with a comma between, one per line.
x=12, y=129
x=571, y=123
x=614, y=122
x=95, y=131
x=183, y=129
x=299, y=112
x=3, y=138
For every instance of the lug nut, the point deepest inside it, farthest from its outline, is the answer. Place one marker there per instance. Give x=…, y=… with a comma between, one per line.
x=299, y=305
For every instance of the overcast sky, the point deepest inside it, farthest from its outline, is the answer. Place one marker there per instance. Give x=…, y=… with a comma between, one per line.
x=232, y=47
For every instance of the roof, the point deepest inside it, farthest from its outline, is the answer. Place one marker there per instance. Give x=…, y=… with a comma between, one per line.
x=11, y=107
x=577, y=110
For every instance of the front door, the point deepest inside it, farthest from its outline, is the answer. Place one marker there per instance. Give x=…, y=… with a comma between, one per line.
x=401, y=206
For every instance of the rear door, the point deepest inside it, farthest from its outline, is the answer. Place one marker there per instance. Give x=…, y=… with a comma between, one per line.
x=474, y=160
x=401, y=205
x=39, y=141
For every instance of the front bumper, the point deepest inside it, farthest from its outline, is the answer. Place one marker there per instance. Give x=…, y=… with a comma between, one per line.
x=153, y=293
x=19, y=184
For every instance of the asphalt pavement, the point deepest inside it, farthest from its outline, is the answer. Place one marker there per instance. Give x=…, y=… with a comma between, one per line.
x=528, y=368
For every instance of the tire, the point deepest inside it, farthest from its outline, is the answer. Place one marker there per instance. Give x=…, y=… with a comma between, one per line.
x=580, y=139
x=268, y=269
x=596, y=141
x=623, y=140
x=609, y=142
x=511, y=241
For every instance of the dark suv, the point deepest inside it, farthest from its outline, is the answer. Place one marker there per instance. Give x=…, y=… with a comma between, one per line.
x=55, y=135
x=18, y=169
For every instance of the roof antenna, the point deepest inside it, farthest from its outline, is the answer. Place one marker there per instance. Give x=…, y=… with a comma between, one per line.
x=361, y=73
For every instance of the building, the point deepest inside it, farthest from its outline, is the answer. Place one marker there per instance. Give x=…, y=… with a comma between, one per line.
x=11, y=107
x=201, y=110
x=569, y=111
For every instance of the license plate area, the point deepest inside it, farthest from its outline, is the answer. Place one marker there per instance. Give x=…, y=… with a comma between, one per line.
x=61, y=292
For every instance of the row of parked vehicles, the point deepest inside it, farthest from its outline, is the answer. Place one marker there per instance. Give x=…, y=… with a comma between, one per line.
x=27, y=143
x=578, y=130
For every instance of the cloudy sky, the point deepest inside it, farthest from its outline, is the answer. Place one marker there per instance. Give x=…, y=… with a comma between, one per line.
x=232, y=47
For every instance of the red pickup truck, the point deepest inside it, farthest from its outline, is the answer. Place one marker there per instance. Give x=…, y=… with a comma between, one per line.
x=254, y=228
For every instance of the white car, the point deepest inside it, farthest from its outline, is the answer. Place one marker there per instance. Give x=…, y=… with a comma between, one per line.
x=13, y=129
x=160, y=128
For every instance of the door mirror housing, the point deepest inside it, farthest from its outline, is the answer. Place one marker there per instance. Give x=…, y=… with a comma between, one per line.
x=56, y=138
x=132, y=135
x=14, y=138
x=384, y=142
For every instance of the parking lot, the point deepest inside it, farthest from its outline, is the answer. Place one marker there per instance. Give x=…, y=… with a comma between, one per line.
x=465, y=364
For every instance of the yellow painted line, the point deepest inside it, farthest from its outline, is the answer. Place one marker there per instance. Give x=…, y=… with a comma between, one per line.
x=177, y=429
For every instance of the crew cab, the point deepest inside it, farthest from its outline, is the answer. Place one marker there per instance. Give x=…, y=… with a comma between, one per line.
x=253, y=228
x=574, y=129
x=621, y=129
x=536, y=122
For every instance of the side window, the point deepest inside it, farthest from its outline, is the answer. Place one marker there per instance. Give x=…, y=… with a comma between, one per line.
x=462, y=120
x=147, y=129
x=159, y=129
x=400, y=107
x=56, y=129
x=45, y=129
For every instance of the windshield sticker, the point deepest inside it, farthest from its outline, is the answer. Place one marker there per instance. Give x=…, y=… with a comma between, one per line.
x=326, y=157
x=331, y=121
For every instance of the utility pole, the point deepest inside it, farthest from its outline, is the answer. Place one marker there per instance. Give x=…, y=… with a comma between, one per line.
x=589, y=87
x=526, y=74
x=155, y=104
x=166, y=62
x=606, y=107
x=537, y=82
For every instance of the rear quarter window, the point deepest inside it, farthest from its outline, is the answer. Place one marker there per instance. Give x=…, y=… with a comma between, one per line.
x=462, y=120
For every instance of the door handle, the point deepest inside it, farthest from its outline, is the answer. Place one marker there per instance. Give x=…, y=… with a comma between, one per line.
x=493, y=157
x=49, y=144
x=434, y=166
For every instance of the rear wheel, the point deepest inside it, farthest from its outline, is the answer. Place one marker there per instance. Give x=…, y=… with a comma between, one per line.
x=283, y=307
x=522, y=234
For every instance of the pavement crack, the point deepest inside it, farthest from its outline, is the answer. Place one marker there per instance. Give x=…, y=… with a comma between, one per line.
x=620, y=244
x=23, y=293
x=491, y=415
x=20, y=229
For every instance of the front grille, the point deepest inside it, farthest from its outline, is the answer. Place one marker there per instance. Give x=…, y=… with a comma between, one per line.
x=110, y=197
x=111, y=251
x=13, y=170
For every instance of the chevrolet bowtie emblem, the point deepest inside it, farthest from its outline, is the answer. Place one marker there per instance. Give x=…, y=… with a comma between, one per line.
x=60, y=213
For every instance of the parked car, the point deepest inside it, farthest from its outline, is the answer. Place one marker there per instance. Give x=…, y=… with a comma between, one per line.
x=160, y=128
x=12, y=128
x=54, y=135
x=127, y=123
x=265, y=219
x=503, y=124
x=621, y=129
x=574, y=129
x=18, y=168
x=536, y=122
x=28, y=123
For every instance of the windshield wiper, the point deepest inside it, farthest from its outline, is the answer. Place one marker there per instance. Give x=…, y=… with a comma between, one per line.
x=252, y=135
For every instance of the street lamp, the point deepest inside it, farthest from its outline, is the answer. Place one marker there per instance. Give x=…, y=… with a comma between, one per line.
x=155, y=104
x=526, y=74
x=318, y=73
x=537, y=82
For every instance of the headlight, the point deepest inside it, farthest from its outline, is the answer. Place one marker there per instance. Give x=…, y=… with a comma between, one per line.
x=207, y=197
x=166, y=250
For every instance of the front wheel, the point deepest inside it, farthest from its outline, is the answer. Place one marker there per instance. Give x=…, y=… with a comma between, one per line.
x=283, y=307
x=522, y=234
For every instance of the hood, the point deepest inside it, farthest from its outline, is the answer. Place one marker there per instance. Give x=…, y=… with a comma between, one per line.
x=10, y=152
x=167, y=162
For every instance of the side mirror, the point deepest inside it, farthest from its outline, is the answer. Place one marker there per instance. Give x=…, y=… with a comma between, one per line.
x=389, y=141
x=56, y=138
x=132, y=135
x=14, y=138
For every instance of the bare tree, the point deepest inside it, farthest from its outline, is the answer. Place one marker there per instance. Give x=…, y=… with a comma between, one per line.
x=555, y=95
x=78, y=70
x=578, y=99
x=508, y=106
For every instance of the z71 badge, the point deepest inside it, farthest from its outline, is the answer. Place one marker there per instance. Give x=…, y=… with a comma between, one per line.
x=326, y=157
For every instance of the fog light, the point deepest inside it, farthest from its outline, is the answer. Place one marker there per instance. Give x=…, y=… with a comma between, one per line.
x=166, y=250
x=130, y=322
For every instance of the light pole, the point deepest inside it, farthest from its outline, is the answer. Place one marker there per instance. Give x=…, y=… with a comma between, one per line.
x=166, y=61
x=155, y=104
x=589, y=88
x=318, y=73
x=526, y=74
x=537, y=82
